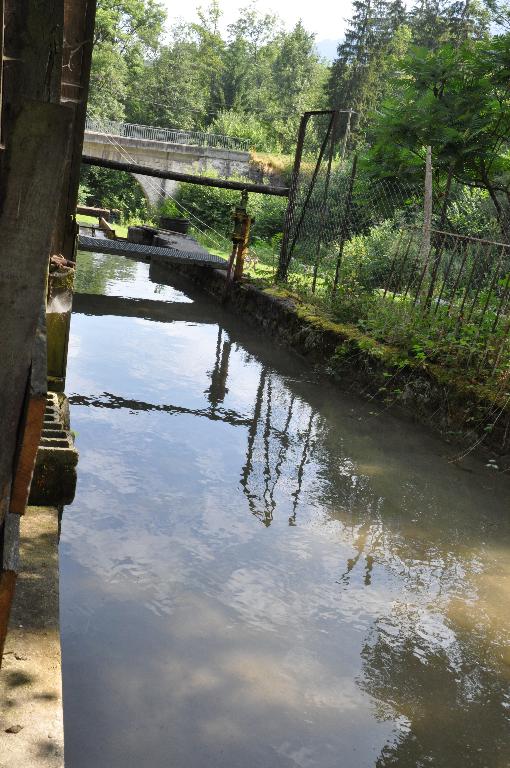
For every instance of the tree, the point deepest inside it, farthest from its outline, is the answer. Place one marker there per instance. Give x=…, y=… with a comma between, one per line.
x=357, y=72
x=436, y=22
x=298, y=78
x=249, y=56
x=457, y=99
x=127, y=33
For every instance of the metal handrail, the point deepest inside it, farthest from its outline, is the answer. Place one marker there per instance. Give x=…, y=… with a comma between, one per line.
x=167, y=135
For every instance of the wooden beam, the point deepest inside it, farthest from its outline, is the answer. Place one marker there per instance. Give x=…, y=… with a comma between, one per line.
x=32, y=421
x=9, y=566
x=79, y=20
x=188, y=178
x=7, y=587
x=35, y=157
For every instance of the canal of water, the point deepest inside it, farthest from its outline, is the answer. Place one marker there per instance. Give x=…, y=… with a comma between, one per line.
x=259, y=570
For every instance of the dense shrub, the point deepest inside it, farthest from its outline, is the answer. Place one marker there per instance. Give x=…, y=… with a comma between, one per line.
x=229, y=122
x=105, y=188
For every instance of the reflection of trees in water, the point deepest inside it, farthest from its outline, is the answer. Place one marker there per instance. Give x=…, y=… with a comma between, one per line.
x=432, y=660
x=444, y=686
x=94, y=271
x=440, y=682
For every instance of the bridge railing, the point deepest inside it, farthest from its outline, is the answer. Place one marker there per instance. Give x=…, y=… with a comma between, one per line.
x=167, y=135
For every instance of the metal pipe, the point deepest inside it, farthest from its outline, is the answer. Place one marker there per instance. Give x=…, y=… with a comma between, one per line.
x=188, y=178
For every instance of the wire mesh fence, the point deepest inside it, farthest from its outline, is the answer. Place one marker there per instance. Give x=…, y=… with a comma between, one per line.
x=454, y=305
x=359, y=245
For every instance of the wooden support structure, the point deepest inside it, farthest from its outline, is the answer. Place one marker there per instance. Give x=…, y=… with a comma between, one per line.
x=32, y=421
x=105, y=227
x=46, y=54
x=97, y=213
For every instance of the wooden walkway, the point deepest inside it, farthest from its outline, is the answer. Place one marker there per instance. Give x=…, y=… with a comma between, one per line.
x=184, y=250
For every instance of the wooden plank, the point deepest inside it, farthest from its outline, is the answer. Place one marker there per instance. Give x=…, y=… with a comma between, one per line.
x=33, y=418
x=88, y=210
x=33, y=55
x=35, y=159
x=107, y=229
x=79, y=21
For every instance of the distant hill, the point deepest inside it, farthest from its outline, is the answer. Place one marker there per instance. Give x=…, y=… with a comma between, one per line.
x=327, y=48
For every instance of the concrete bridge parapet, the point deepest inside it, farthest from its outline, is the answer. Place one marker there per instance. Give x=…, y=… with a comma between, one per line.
x=164, y=156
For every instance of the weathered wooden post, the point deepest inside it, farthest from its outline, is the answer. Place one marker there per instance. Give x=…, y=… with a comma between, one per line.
x=45, y=48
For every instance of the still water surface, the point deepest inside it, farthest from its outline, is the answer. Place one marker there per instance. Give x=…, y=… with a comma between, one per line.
x=260, y=571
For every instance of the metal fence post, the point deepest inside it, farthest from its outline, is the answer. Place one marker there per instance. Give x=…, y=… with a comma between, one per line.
x=283, y=261
x=332, y=131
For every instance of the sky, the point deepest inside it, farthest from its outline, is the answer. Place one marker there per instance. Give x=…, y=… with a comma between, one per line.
x=326, y=18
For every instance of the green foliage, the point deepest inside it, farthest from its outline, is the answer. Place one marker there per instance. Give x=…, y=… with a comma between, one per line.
x=94, y=272
x=228, y=122
x=455, y=99
x=253, y=82
x=268, y=213
x=471, y=212
x=127, y=33
x=215, y=206
x=104, y=188
x=169, y=208
x=209, y=204
x=83, y=194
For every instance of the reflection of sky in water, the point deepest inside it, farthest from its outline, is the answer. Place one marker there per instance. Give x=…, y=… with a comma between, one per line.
x=258, y=571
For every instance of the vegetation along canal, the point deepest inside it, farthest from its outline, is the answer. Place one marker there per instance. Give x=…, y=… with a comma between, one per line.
x=260, y=571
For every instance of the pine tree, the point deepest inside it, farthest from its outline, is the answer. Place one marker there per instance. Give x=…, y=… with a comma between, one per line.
x=436, y=22
x=354, y=74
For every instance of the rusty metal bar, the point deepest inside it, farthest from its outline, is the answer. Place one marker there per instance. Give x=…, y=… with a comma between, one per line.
x=478, y=287
x=393, y=264
x=468, y=286
x=332, y=134
x=284, y=260
x=188, y=178
x=502, y=302
x=468, y=237
x=493, y=281
x=457, y=280
x=402, y=265
x=310, y=190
